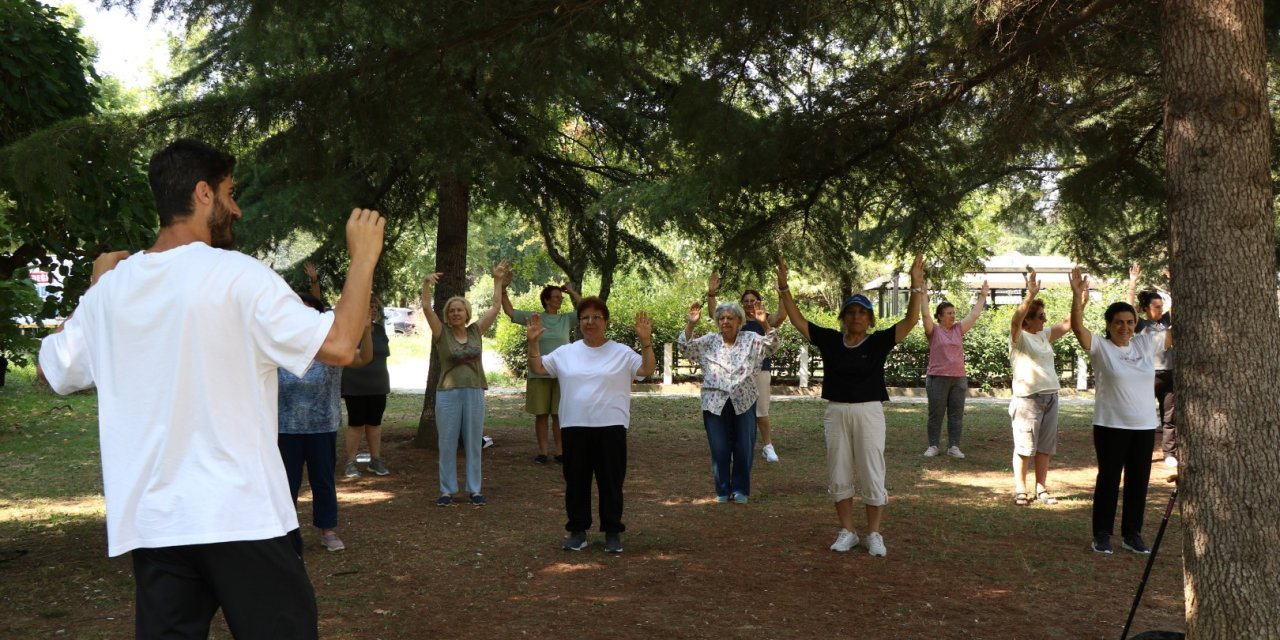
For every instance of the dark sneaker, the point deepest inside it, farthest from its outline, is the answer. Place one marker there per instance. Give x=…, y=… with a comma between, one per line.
x=540, y=459
x=612, y=543
x=577, y=541
x=444, y=501
x=1135, y=544
x=478, y=500
x=559, y=459
x=352, y=471
x=377, y=467
x=1102, y=544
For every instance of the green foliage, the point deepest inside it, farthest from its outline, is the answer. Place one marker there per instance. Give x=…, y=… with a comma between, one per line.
x=44, y=67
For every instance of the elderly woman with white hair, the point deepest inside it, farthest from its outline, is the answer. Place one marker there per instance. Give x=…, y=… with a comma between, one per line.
x=729, y=361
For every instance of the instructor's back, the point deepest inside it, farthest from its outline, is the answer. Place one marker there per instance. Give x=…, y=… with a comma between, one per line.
x=183, y=341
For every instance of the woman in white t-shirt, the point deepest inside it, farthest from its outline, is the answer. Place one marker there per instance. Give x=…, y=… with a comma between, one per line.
x=595, y=376
x=1124, y=417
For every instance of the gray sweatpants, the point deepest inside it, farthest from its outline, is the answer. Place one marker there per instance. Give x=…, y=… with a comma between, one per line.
x=946, y=395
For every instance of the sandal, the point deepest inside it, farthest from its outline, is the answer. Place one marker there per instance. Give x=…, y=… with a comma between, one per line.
x=1044, y=497
x=1020, y=498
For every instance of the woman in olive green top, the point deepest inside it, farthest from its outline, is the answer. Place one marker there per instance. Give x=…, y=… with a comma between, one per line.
x=542, y=393
x=456, y=347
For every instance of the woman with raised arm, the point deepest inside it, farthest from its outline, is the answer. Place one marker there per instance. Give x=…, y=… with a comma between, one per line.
x=946, y=383
x=595, y=376
x=542, y=393
x=854, y=387
x=456, y=348
x=1033, y=408
x=729, y=361
x=749, y=300
x=1124, y=417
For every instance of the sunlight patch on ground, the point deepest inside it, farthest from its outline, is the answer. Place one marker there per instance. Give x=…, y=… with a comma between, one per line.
x=365, y=496
x=566, y=567
x=44, y=509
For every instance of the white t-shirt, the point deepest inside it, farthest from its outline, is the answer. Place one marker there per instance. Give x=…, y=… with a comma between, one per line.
x=1125, y=379
x=1031, y=356
x=595, y=383
x=183, y=346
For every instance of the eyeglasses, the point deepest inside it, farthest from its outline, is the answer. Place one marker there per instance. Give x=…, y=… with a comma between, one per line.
x=590, y=318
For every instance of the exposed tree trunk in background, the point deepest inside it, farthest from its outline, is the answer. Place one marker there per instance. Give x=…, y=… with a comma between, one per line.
x=846, y=286
x=610, y=263
x=453, y=195
x=1217, y=144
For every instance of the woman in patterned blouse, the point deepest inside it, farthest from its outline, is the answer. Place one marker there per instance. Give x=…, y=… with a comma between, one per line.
x=729, y=361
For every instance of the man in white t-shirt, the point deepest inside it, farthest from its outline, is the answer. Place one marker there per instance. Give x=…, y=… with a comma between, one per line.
x=183, y=342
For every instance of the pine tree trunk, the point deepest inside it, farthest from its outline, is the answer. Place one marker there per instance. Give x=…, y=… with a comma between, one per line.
x=1222, y=232
x=453, y=195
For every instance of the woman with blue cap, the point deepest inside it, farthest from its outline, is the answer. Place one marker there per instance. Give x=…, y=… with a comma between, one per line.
x=853, y=384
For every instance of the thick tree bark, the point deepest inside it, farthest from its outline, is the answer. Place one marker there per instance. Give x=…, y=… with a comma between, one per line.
x=1217, y=135
x=453, y=194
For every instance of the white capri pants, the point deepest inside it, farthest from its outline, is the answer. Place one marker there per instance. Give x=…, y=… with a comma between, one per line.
x=855, y=451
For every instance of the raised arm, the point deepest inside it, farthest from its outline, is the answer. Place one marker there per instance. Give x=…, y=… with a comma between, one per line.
x=644, y=331
x=433, y=320
x=351, y=314
x=788, y=303
x=364, y=353
x=978, y=307
x=924, y=312
x=532, y=332
x=313, y=276
x=506, y=300
x=1020, y=314
x=908, y=323
x=1079, y=291
x=573, y=293
x=499, y=292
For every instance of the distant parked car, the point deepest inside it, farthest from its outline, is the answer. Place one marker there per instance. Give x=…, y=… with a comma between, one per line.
x=399, y=319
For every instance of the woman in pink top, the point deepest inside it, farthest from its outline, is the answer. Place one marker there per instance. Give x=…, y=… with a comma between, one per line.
x=945, y=380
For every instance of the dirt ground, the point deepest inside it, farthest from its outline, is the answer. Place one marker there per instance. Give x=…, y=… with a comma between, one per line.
x=963, y=562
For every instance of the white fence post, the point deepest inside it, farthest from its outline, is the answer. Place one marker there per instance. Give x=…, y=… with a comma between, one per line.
x=666, y=363
x=1082, y=374
x=804, y=366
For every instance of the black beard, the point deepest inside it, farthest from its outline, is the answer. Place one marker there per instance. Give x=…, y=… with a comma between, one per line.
x=222, y=232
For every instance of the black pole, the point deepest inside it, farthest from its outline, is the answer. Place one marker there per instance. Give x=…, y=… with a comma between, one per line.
x=1150, y=561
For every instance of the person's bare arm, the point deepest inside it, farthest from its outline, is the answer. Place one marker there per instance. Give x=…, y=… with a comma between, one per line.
x=499, y=288
x=778, y=318
x=364, y=354
x=1135, y=272
x=924, y=312
x=1020, y=314
x=713, y=288
x=428, y=310
x=981, y=304
x=644, y=331
x=351, y=313
x=1079, y=290
x=788, y=303
x=908, y=323
x=506, y=300
x=695, y=314
x=314, y=277
x=573, y=293
x=532, y=332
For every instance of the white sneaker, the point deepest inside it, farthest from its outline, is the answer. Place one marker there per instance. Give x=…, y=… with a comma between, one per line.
x=931, y=451
x=769, y=454
x=955, y=452
x=845, y=541
x=875, y=544
x=332, y=542
x=1171, y=462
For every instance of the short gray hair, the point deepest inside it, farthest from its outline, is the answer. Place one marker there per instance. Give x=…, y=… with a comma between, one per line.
x=731, y=307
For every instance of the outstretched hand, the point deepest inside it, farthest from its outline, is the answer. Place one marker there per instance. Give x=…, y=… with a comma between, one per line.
x=430, y=281
x=782, y=273
x=1079, y=282
x=364, y=235
x=1033, y=284
x=695, y=312
x=758, y=312
x=713, y=283
x=535, y=328
x=310, y=268
x=1135, y=272
x=985, y=290
x=917, y=272
x=644, y=328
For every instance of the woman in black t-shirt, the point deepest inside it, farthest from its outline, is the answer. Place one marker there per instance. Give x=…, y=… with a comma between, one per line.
x=853, y=384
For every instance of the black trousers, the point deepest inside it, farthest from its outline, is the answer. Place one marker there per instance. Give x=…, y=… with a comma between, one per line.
x=1127, y=452
x=261, y=586
x=1164, y=404
x=599, y=452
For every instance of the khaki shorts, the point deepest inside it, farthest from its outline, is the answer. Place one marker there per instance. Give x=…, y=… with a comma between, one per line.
x=542, y=396
x=855, y=451
x=763, y=381
x=1035, y=423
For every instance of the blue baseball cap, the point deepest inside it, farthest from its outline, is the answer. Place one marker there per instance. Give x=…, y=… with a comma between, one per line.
x=858, y=299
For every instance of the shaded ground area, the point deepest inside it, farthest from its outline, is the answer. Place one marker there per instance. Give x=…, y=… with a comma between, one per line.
x=963, y=561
